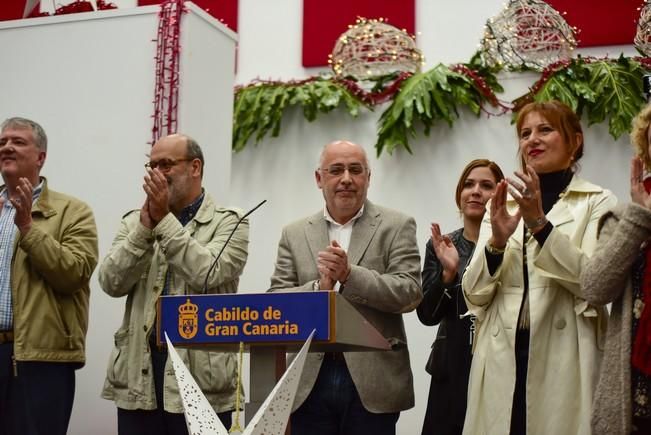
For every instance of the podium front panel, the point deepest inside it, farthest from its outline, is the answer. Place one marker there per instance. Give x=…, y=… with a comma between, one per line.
x=196, y=320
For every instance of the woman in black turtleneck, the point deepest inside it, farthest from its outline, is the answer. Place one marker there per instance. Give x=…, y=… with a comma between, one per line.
x=539, y=343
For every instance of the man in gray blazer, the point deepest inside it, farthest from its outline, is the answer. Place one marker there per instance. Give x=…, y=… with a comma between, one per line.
x=370, y=255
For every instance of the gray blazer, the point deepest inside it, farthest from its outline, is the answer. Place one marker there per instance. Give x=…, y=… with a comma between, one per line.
x=384, y=282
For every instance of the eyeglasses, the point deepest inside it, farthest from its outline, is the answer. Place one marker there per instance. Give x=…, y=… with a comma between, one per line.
x=339, y=169
x=165, y=164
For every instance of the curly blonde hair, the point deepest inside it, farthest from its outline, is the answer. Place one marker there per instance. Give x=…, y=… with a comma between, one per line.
x=639, y=135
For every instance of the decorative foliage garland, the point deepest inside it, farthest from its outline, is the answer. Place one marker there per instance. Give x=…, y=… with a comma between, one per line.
x=428, y=97
x=598, y=88
x=602, y=89
x=259, y=107
x=526, y=35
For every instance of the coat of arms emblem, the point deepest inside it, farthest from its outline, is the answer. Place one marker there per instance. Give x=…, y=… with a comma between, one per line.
x=188, y=320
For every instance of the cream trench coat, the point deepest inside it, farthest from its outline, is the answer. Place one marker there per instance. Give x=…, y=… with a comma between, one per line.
x=566, y=333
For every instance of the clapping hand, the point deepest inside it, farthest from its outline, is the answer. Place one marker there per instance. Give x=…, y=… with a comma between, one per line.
x=527, y=194
x=639, y=194
x=446, y=253
x=333, y=265
x=156, y=188
x=503, y=223
x=22, y=202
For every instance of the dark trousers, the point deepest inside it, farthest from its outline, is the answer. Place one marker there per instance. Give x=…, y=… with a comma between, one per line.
x=519, y=411
x=641, y=426
x=35, y=397
x=333, y=407
x=158, y=421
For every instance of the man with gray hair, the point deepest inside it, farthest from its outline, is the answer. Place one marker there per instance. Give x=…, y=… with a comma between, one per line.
x=167, y=247
x=48, y=252
x=369, y=254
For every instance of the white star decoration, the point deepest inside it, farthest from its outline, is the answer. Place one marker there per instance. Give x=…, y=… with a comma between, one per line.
x=271, y=418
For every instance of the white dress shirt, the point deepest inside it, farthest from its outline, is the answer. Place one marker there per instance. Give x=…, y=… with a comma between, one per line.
x=341, y=232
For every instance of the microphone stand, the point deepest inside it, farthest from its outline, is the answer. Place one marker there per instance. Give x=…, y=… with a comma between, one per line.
x=214, y=263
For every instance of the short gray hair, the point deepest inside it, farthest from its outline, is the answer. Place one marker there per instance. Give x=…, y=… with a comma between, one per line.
x=23, y=123
x=194, y=151
x=322, y=152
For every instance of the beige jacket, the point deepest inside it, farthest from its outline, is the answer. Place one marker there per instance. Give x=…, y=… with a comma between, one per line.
x=384, y=282
x=565, y=348
x=607, y=278
x=136, y=267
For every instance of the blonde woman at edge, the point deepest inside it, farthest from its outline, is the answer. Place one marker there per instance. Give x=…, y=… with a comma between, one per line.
x=620, y=272
x=538, y=343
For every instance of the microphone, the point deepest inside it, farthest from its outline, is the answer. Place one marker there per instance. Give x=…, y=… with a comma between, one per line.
x=214, y=263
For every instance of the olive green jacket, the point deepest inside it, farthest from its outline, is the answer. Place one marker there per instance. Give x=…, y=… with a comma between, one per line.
x=50, y=271
x=136, y=267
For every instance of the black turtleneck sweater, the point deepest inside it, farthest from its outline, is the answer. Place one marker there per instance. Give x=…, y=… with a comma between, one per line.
x=551, y=187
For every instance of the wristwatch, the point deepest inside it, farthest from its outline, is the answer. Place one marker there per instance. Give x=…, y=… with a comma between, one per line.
x=493, y=250
x=536, y=223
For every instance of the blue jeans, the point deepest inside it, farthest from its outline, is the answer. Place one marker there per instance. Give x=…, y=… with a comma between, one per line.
x=333, y=407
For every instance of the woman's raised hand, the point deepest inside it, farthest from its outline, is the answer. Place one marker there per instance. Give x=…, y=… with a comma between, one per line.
x=446, y=253
x=639, y=194
x=526, y=192
x=503, y=223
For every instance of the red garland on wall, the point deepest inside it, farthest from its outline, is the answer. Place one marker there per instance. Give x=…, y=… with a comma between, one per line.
x=14, y=9
x=81, y=6
x=166, y=89
x=224, y=10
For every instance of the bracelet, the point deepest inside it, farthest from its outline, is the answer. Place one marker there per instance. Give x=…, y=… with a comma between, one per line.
x=538, y=222
x=493, y=250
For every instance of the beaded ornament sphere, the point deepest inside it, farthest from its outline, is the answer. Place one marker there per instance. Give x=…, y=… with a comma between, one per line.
x=373, y=48
x=527, y=33
x=643, y=34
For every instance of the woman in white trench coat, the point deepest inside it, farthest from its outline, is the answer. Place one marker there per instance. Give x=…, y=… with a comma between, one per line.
x=538, y=342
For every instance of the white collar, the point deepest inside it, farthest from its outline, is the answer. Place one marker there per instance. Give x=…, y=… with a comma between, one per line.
x=329, y=218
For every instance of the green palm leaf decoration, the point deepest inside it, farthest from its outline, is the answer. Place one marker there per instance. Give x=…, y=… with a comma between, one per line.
x=599, y=88
x=259, y=108
x=431, y=96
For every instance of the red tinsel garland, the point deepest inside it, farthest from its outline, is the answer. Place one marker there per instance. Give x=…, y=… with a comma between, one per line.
x=374, y=98
x=479, y=82
x=166, y=89
x=76, y=7
x=644, y=61
x=369, y=98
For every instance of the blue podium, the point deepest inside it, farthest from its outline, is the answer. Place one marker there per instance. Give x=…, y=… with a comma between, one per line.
x=269, y=325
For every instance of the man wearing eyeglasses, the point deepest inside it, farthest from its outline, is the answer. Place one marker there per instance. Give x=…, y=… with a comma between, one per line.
x=167, y=248
x=369, y=254
x=48, y=251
